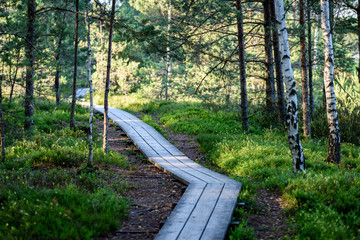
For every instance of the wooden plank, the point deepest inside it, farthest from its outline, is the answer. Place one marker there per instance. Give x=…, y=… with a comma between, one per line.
x=180, y=215
x=204, y=170
x=222, y=213
x=205, y=177
x=162, y=163
x=205, y=210
x=151, y=131
x=199, y=218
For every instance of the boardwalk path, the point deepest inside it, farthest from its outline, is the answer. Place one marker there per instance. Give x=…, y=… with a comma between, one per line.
x=205, y=209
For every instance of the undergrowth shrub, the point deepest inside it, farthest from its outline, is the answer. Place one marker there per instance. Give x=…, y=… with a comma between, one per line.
x=68, y=213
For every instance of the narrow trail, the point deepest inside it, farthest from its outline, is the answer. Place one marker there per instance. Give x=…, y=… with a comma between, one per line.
x=206, y=207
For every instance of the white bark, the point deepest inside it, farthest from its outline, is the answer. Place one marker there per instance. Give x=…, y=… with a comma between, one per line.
x=168, y=51
x=334, y=154
x=91, y=150
x=291, y=101
x=316, y=37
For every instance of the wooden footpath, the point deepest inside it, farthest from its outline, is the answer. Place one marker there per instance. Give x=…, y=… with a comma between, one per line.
x=206, y=207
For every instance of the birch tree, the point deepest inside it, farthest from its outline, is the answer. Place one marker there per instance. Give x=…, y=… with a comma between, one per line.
x=291, y=101
x=334, y=154
x=91, y=151
x=107, y=81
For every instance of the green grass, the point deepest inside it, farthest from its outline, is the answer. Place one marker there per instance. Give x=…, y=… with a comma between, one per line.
x=324, y=202
x=46, y=191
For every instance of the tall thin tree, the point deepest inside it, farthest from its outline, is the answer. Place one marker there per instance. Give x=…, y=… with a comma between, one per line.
x=279, y=76
x=2, y=130
x=270, y=82
x=240, y=37
x=304, y=79
x=29, y=89
x=334, y=148
x=107, y=81
x=310, y=63
x=291, y=103
x=91, y=149
x=73, y=101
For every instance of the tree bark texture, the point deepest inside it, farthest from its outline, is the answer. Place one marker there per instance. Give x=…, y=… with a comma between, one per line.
x=304, y=79
x=91, y=145
x=291, y=103
x=240, y=37
x=57, y=74
x=310, y=66
x=2, y=130
x=73, y=101
x=107, y=82
x=358, y=29
x=29, y=89
x=334, y=154
x=270, y=83
x=168, y=54
x=15, y=77
x=279, y=76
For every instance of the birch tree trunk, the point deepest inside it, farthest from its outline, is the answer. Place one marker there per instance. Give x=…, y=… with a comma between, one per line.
x=291, y=103
x=29, y=91
x=279, y=76
x=73, y=102
x=334, y=154
x=270, y=85
x=304, y=79
x=316, y=38
x=168, y=54
x=91, y=149
x=107, y=82
x=240, y=37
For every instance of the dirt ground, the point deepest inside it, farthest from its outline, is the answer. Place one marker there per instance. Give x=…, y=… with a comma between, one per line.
x=153, y=193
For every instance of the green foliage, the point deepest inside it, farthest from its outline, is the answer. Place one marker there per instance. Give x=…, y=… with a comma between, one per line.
x=46, y=191
x=326, y=195
x=66, y=213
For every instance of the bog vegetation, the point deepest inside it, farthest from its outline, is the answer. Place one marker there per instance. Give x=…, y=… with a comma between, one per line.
x=213, y=69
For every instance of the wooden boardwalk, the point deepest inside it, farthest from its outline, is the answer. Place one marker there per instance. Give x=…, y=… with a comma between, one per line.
x=206, y=208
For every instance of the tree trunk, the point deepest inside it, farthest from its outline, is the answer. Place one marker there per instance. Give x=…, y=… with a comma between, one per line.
x=279, y=76
x=168, y=55
x=29, y=91
x=2, y=131
x=291, y=105
x=358, y=21
x=270, y=85
x=311, y=92
x=15, y=77
x=57, y=75
x=316, y=37
x=73, y=102
x=334, y=154
x=304, y=80
x=240, y=37
x=91, y=148
x=107, y=82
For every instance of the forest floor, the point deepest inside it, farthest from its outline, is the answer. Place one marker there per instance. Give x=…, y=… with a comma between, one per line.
x=152, y=193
